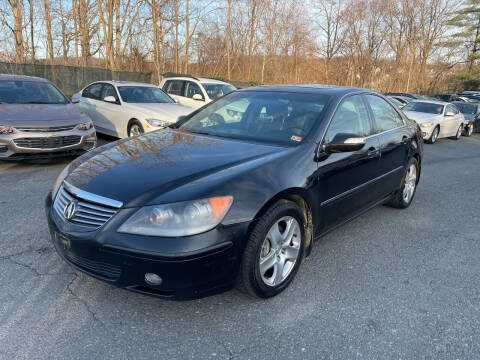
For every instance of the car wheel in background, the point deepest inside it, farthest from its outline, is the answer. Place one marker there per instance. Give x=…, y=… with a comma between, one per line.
x=135, y=128
x=403, y=197
x=469, y=131
x=434, y=136
x=274, y=251
x=458, y=134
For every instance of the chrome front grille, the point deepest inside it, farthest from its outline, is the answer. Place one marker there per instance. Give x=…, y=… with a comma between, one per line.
x=45, y=129
x=89, y=214
x=53, y=142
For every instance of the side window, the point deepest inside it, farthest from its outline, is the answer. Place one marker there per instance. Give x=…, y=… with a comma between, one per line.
x=386, y=117
x=191, y=89
x=166, y=85
x=93, y=91
x=351, y=117
x=175, y=87
x=109, y=90
x=449, y=110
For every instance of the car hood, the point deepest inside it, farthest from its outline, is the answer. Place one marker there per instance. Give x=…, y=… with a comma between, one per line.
x=39, y=114
x=163, y=111
x=139, y=169
x=420, y=118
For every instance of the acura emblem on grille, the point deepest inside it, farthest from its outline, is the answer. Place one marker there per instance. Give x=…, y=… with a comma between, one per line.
x=70, y=209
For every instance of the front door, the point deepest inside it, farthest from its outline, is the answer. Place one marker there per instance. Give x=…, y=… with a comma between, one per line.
x=111, y=113
x=346, y=179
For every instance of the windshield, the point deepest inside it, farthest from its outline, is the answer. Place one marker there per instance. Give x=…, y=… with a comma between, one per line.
x=143, y=94
x=467, y=108
x=30, y=92
x=424, y=107
x=273, y=117
x=215, y=91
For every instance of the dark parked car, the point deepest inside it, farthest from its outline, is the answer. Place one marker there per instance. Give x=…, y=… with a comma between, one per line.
x=471, y=112
x=447, y=97
x=407, y=95
x=38, y=121
x=233, y=197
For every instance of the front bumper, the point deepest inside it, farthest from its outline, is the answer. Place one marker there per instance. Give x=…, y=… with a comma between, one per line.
x=190, y=267
x=427, y=132
x=12, y=149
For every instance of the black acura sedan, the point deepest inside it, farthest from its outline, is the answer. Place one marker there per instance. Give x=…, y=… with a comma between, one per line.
x=234, y=193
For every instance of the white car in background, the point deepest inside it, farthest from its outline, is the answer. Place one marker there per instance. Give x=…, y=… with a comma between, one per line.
x=436, y=119
x=195, y=92
x=124, y=109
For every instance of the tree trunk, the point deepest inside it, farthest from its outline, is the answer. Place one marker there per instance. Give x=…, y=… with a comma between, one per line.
x=17, y=10
x=187, y=36
x=118, y=31
x=176, y=37
x=250, y=42
x=228, y=38
x=48, y=24
x=32, y=50
x=75, y=28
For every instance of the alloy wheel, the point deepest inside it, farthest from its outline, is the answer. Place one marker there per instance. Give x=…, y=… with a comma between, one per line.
x=435, y=135
x=410, y=183
x=135, y=130
x=459, y=132
x=280, y=251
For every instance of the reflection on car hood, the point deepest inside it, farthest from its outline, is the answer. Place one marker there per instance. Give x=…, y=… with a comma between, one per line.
x=31, y=114
x=420, y=117
x=163, y=111
x=149, y=165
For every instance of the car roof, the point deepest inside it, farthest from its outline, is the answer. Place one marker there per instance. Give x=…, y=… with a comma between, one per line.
x=309, y=88
x=202, y=80
x=13, y=77
x=124, y=83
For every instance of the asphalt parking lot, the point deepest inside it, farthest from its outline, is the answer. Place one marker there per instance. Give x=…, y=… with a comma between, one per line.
x=392, y=284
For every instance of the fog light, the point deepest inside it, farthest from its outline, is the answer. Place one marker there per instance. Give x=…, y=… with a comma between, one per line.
x=153, y=279
x=3, y=149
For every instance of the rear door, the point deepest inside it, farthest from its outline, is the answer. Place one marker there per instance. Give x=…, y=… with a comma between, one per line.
x=111, y=113
x=346, y=179
x=89, y=102
x=175, y=88
x=393, y=136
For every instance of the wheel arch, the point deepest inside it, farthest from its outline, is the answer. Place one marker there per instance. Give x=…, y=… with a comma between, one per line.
x=300, y=197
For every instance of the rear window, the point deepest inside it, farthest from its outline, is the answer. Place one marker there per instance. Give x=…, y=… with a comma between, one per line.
x=467, y=108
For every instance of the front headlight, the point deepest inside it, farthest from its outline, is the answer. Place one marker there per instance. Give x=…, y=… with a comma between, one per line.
x=85, y=126
x=5, y=130
x=178, y=219
x=427, y=124
x=59, y=181
x=158, y=123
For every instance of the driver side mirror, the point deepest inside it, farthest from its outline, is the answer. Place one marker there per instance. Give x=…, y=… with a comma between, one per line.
x=110, y=99
x=344, y=142
x=449, y=113
x=75, y=98
x=198, y=97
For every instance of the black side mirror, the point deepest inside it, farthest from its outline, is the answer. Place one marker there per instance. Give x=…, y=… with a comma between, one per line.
x=344, y=142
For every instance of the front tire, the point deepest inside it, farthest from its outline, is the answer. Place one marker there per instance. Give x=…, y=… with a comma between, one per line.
x=274, y=251
x=404, y=196
x=469, y=131
x=135, y=129
x=434, y=136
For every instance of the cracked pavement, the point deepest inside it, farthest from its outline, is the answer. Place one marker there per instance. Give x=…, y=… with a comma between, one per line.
x=390, y=284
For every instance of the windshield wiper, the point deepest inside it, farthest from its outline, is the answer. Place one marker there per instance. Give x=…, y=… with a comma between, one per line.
x=40, y=102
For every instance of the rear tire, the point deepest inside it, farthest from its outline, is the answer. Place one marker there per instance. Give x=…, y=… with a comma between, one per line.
x=458, y=134
x=403, y=197
x=267, y=269
x=135, y=128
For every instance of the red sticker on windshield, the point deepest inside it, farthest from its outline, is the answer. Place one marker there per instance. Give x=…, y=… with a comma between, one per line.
x=296, y=138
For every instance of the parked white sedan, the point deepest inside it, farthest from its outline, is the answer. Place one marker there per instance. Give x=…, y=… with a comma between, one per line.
x=124, y=109
x=436, y=119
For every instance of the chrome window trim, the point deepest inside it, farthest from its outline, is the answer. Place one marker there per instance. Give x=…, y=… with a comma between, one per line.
x=97, y=199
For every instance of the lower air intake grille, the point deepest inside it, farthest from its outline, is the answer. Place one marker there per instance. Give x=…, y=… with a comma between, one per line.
x=100, y=268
